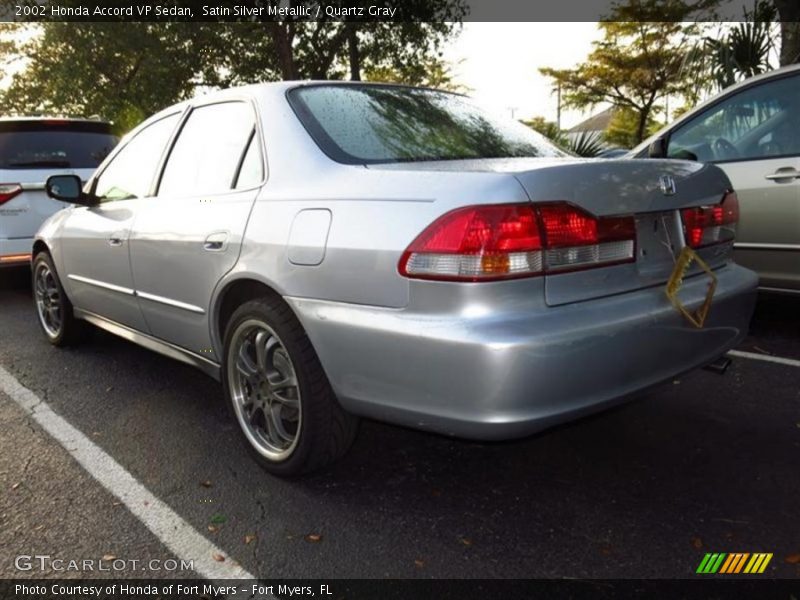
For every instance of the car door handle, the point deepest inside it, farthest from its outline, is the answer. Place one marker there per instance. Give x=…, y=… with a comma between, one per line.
x=783, y=174
x=216, y=242
x=116, y=239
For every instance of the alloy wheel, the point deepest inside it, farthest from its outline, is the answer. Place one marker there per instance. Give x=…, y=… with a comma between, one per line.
x=48, y=300
x=264, y=389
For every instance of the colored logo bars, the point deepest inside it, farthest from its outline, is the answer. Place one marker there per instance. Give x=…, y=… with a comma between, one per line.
x=740, y=562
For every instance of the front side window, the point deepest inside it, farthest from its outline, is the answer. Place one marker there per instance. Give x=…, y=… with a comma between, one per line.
x=367, y=124
x=760, y=122
x=130, y=173
x=207, y=154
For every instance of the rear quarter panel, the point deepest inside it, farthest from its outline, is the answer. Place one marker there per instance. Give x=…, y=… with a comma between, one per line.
x=375, y=215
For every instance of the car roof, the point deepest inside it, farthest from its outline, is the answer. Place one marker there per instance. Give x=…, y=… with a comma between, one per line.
x=273, y=88
x=269, y=89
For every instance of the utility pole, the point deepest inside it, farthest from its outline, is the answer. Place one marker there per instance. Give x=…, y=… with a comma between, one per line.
x=558, y=106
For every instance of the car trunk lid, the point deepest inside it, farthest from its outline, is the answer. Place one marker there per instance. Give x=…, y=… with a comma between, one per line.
x=653, y=192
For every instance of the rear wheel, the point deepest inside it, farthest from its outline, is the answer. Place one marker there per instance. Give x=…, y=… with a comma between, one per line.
x=53, y=307
x=278, y=393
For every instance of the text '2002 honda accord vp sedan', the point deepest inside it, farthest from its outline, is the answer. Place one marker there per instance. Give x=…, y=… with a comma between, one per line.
x=334, y=250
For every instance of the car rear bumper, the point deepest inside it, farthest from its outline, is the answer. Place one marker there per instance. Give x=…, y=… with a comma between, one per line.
x=500, y=375
x=15, y=252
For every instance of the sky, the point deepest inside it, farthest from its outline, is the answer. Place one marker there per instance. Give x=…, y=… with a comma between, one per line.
x=500, y=63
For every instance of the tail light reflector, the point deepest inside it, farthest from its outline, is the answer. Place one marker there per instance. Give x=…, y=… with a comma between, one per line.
x=8, y=191
x=506, y=241
x=709, y=225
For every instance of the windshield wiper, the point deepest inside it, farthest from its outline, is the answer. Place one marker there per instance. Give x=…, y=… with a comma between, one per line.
x=40, y=163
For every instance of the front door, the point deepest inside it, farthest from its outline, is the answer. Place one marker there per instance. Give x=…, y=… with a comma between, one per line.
x=190, y=234
x=95, y=240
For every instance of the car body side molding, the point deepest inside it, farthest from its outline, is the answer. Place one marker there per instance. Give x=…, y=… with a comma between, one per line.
x=209, y=367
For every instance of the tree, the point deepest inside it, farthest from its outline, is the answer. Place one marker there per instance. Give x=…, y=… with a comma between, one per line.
x=621, y=130
x=121, y=71
x=548, y=129
x=737, y=51
x=789, y=14
x=632, y=67
x=585, y=143
x=126, y=71
x=432, y=72
x=333, y=49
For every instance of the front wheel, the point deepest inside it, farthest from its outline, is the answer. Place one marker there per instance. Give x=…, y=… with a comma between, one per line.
x=52, y=305
x=278, y=393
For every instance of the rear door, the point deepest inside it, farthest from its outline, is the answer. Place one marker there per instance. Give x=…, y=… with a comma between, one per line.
x=94, y=240
x=190, y=235
x=754, y=136
x=30, y=151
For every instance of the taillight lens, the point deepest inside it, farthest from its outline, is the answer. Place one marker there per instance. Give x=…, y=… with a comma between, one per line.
x=8, y=191
x=505, y=241
x=477, y=243
x=709, y=225
x=577, y=240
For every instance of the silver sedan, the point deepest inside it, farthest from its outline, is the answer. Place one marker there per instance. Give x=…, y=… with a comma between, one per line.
x=336, y=250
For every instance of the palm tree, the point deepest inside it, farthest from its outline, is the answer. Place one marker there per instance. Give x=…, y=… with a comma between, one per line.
x=745, y=49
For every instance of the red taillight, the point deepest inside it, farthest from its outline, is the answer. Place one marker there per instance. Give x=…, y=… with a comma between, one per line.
x=709, y=225
x=477, y=243
x=504, y=241
x=576, y=240
x=8, y=191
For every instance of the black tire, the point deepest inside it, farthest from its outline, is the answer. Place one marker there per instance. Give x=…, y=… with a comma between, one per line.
x=324, y=431
x=69, y=330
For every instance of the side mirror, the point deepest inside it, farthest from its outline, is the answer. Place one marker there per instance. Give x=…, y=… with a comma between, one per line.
x=658, y=149
x=67, y=188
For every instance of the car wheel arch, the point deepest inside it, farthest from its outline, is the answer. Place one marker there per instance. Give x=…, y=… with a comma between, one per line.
x=38, y=247
x=234, y=294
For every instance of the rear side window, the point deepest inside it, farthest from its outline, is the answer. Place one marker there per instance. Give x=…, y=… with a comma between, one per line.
x=358, y=124
x=251, y=173
x=54, y=144
x=130, y=173
x=209, y=150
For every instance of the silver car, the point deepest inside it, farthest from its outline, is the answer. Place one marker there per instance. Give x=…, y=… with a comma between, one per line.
x=752, y=131
x=335, y=250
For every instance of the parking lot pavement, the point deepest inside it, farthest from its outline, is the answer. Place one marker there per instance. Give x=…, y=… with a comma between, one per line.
x=52, y=510
x=775, y=329
x=703, y=464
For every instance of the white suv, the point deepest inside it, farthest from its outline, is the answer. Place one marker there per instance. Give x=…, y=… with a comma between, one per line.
x=32, y=149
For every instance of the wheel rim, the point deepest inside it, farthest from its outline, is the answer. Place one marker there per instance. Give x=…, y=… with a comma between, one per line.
x=48, y=300
x=264, y=389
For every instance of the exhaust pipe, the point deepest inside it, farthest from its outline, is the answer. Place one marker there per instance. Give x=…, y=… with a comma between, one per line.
x=719, y=366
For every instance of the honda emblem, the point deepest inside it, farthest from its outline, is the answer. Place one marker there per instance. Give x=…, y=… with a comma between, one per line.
x=667, y=184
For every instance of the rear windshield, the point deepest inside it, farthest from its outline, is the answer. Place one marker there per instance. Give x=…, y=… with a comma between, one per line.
x=381, y=124
x=39, y=145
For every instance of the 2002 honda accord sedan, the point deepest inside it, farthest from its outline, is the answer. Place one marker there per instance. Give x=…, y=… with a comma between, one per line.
x=334, y=250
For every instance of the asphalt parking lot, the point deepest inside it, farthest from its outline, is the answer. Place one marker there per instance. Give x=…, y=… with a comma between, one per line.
x=707, y=463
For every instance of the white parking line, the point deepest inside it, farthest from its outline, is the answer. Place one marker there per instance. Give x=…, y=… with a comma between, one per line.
x=176, y=534
x=765, y=357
